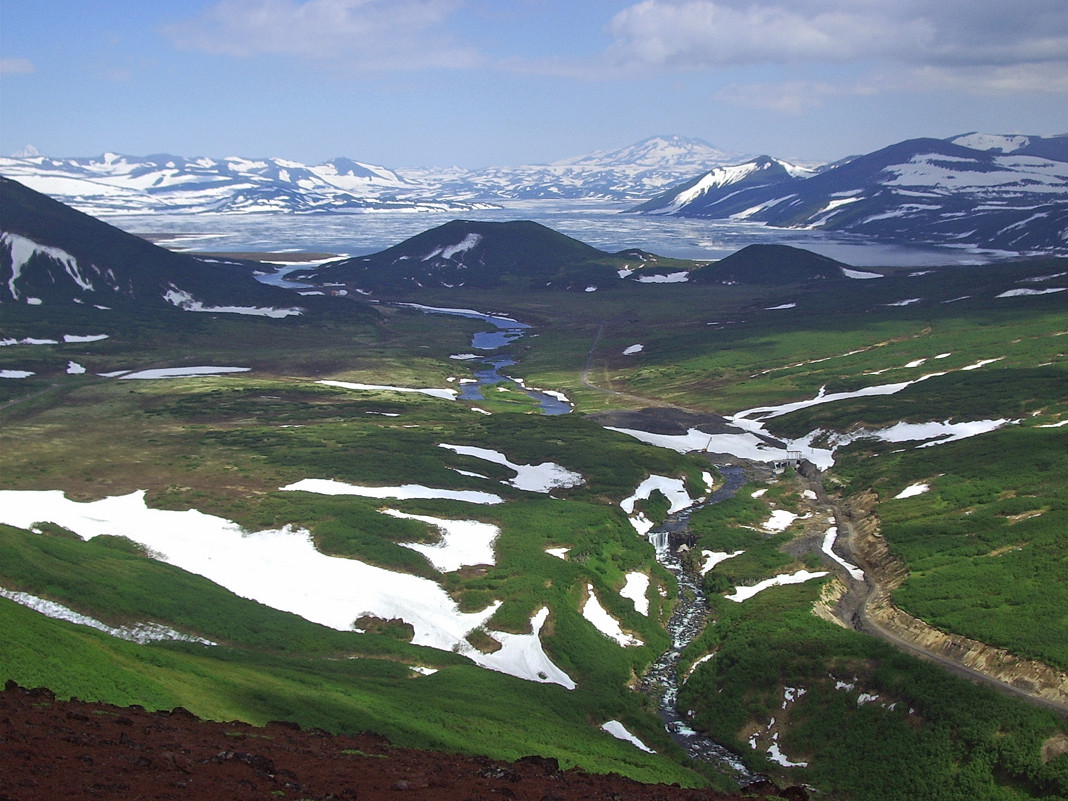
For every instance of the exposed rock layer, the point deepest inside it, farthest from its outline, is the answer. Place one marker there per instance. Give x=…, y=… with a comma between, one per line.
x=889, y=572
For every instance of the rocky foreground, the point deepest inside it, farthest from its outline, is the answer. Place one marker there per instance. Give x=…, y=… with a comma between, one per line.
x=52, y=749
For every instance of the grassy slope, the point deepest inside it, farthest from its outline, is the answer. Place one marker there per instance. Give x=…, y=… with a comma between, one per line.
x=220, y=445
x=225, y=445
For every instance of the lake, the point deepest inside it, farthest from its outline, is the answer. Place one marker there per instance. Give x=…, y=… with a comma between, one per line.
x=598, y=223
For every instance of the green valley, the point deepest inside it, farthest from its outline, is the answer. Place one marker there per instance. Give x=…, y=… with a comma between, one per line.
x=345, y=445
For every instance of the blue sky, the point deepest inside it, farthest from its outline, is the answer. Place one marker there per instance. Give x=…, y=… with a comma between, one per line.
x=478, y=83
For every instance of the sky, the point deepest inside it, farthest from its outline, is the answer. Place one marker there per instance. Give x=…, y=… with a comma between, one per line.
x=480, y=83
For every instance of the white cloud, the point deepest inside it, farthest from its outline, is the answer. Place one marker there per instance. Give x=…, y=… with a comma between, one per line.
x=15, y=66
x=708, y=33
x=363, y=34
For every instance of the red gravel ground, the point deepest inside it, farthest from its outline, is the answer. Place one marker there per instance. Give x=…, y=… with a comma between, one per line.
x=52, y=749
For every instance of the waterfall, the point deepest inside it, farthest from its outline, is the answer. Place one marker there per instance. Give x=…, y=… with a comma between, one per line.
x=660, y=540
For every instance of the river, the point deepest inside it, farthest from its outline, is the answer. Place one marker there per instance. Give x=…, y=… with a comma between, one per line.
x=661, y=680
x=506, y=330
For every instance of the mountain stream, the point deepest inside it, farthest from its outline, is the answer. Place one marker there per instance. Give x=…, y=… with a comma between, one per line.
x=661, y=680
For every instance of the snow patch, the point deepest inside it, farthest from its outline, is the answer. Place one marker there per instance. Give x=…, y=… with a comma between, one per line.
x=780, y=520
x=1022, y=292
x=604, y=622
x=84, y=338
x=636, y=589
x=182, y=372
x=828, y=548
x=186, y=302
x=463, y=542
x=713, y=558
x=445, y=394
x=744, y=593
x=912, y=490
x=139, y=632
x=326, y=486
x=860, y=275
x=543, y=477
x=673, y=488
x=619, y=731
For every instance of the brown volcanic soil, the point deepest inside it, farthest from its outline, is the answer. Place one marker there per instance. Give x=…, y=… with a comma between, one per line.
x=53, y=749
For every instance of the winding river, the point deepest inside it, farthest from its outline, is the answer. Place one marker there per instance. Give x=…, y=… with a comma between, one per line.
x=661, y=681
x=506, y=330
x=687, y=621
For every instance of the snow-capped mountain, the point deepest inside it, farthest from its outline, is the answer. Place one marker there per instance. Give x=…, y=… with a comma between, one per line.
x=629, y=173
x=1047, y=147
x=974, y=190
x=117, y=184
x=120, y=184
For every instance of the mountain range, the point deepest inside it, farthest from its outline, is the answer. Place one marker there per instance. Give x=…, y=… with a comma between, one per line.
x=121, y=184
x=52, y=255
x=1007, y=193
x=974, y=190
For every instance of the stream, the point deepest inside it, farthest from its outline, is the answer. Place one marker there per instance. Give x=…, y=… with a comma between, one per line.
x=687, y=621
x=661, y=680
x=507, y=330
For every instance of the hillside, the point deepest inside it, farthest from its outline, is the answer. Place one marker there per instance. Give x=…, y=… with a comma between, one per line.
x=372, y=522
x=920, y=190
x=52, y=254
x=465, y=253
x=127, y=753
x=770, y=264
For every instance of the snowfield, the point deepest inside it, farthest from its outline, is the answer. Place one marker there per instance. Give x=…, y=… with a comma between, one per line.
x=543, y=477
x=463, y=542
x=327, y=486
x=604, y=622
x=282, y=569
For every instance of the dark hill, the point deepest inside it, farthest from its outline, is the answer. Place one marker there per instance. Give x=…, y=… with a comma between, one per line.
x=53, y=254
x=769, y=264
x=474, y=254
x=72, y=749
